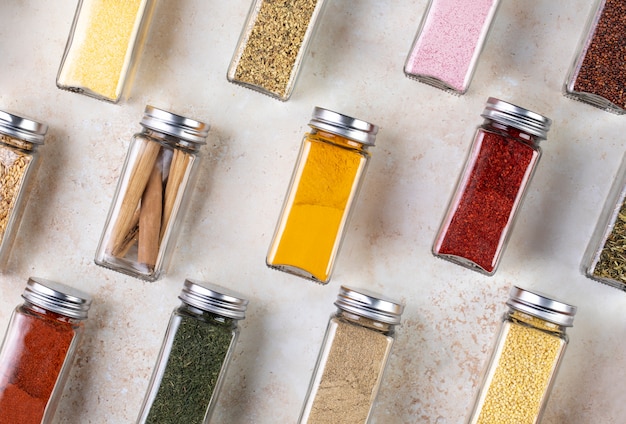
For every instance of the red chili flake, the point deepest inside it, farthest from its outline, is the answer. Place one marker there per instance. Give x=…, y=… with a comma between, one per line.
x=484, y=205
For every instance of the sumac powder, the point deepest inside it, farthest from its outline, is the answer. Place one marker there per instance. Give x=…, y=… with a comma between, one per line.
x=500, y=165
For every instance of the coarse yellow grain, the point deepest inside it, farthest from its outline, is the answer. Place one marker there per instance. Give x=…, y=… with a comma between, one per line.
x=100, y=52
x=308, y=233
x=525, y=367
x=13, y=166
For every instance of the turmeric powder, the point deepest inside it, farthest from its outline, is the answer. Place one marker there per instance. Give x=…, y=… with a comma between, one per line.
x=325, y=183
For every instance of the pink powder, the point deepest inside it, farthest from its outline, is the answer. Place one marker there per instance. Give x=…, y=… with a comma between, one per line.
x=447, y=46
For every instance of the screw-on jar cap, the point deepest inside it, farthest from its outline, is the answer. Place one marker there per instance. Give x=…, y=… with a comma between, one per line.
x=344, y=126
x=184, y=128
x=22, y=128
x=212, y=298
x=542, y=307
x=57, y=297
x=517, y=117
x=369, y=305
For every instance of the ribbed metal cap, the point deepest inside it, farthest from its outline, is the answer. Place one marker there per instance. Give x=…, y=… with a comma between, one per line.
x=57, y=297
x=22, y=128
x=184, y=128
x=345, y=126
x=517, y=117
x=213, y=298
x=542, y=307
x=369, y=305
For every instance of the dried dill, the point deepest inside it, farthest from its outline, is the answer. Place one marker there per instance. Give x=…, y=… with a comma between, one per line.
x=611, y=264
x=198, y=351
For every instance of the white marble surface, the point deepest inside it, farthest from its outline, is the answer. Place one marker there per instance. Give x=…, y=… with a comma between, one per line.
x=355, y=67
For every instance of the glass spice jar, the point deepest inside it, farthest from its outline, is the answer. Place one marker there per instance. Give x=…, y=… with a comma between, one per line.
x=323, y=189
x=449, y=41
x=598, y=74
x=273, y=44
x=605, y=257
x=525, y=360
x=352, y=359
x=151, y=195
x=38, y=350
x=20, y=139
x=500, y=165
x=195, y=354
x=102, y=51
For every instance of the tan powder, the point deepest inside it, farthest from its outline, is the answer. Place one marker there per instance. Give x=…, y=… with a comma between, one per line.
x=352, y=373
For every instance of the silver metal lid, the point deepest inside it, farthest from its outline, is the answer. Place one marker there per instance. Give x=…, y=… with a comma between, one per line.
x=515, y=116
x=169, y=123
x=369, y=305
x=213, y=298
x=542, y=307
x=345, y=126
x=57, y=297
x=22, y=128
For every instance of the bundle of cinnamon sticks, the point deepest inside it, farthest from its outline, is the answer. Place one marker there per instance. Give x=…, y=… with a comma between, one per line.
x=145, y=208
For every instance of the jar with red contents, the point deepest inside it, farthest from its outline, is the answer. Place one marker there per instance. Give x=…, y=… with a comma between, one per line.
x=499, y=168
x=38, y=350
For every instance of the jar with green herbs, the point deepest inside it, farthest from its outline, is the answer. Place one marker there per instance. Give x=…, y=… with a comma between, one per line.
x=194, y=356
x=273, y=44
x=525, y=360
x=20, y=139
x=152, y=194
x=352, y=359
x=605, y=257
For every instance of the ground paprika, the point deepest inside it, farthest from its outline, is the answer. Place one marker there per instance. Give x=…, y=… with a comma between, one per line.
x=500, y=165
x=41, y=338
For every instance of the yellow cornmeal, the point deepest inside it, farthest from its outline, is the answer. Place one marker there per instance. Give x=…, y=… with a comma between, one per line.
x=101, y=49
x=307, y=236
x=521, y=378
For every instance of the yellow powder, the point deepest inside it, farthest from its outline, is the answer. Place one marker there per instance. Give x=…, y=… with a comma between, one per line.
x=308, y=233
x=525, y=366
x=100, y=52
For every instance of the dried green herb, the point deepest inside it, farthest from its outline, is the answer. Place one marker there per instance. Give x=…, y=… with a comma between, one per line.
x=198, y=351
x=612, y=262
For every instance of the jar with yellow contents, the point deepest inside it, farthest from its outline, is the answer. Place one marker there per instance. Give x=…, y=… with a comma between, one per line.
x=323, y=190
x=525, y=360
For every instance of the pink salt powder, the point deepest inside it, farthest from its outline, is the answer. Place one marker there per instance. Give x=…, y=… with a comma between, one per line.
x=451, y=37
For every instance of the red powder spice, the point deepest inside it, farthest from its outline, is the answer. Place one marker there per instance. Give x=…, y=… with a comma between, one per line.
x=33, y=354
x=481, y=213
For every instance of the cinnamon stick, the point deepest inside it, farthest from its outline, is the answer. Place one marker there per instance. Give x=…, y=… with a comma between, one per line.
x=130, y=239
x=150, y=219
x=136, y=184
x=177, y=173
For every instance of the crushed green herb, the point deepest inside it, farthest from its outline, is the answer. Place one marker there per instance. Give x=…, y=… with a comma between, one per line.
x=198, y=351
x=612, y=261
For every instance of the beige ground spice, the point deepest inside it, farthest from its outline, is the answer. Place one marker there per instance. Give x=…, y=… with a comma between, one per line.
x=272, y=45
x=352, y=373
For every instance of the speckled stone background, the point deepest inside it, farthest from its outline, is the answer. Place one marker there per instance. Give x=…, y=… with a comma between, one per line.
x=354, y=66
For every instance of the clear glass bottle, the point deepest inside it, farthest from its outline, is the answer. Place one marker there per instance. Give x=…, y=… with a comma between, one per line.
x=352, y=359
x=497, y=173
x=273, y=43
x=525, y=360
x=449, y=41
x=103, y=48
x=598, y=74
x=20, y=139
x=605, y=257
x=322, y=192
x=151, y=195
x=38, y=350
x=195, y=354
